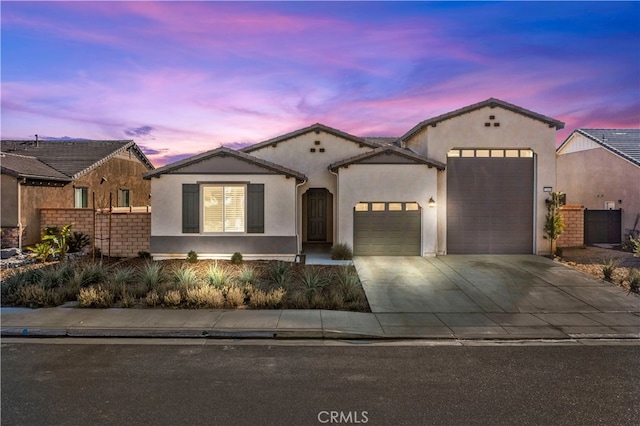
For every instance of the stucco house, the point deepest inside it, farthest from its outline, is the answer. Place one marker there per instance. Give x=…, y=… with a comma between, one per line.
x=600, y=170
x=469, y=181
x=66, y=174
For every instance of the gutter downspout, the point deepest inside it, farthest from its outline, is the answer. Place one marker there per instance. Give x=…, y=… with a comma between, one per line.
x=298, y=242
x=336, y=210
x=20, y=214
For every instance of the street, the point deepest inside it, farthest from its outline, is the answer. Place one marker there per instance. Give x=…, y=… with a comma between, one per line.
x=97, y=382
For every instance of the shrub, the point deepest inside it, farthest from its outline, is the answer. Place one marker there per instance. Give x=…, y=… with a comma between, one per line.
x=89, y=273
x=341, y=251
x=42, y=251
x=185, y=276
x=204, y=296
x=77, y=241
x=95, y=297
x=236, y=259
x=348, y=283
x=316, y=301
x=151, y=275
x=280, y=273
x=144, y=255
x=172, y=298
x=124, y=276
x=32, y=296
x=247, y=275
x=127, y=300
x=609, y=267
x=313, y=279
x=192, y=257
x=558, y=251
x=633, y=276
x=234, y=296
x=264, y=299
x=217, y=276
x=298, y=300
x=152, y=298
x=55, y=276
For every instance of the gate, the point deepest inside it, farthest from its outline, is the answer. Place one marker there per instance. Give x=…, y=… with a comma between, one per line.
x=603, y=226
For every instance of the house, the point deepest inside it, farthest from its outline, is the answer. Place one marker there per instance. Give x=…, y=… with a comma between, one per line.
x=469, y=181
x=66, y=174
x=600, y=170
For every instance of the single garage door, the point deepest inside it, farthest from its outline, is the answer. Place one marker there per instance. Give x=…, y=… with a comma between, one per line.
x=490, y=201
x=387, y=229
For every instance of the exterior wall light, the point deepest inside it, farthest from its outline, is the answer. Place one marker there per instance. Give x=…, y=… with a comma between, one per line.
x=432, y=202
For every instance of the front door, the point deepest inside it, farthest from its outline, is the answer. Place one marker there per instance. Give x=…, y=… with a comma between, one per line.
x=317, y=214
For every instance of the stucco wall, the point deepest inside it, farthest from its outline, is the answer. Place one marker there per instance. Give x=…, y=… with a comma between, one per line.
x=594, y=176
x=9, y=209
x=120, y=172
x=469, y=131
x=279, y=202
x=391, y=183
x=295, y=153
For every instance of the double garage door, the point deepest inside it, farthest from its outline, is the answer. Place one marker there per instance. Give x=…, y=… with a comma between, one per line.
x=387, y=229
x=490, y=202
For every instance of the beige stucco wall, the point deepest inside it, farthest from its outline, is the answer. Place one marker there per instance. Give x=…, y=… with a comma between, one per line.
x=392, y=182
x=469, y=131
x=9, y=188
x=295, y=154
x=594, y=176
x=279, y=202
x=121, y=172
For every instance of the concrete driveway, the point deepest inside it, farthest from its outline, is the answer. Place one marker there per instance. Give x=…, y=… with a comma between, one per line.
x=485, y=284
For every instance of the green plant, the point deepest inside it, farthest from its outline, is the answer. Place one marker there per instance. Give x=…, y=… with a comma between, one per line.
x=280, y=273
x=247, y=275
x=60, y=240
x=192, y=257
x=144, y=255
x=54, y=276
x=609, y=267
x=42, y=251
x=124, y=276
x=89, y=273
x=236, y=259
x=185, y=276
x=633, y=277
x=553, y=224
x=95, y=297
x=313, y=279
x=217, y=275
x=341, y=251
x=348, y=283
x=77, y=241
x=151, y=275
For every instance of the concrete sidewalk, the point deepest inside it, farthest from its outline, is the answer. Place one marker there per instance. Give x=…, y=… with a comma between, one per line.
x=315, y=324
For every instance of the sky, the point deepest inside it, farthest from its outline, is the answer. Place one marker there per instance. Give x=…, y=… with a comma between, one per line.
x=180, y=78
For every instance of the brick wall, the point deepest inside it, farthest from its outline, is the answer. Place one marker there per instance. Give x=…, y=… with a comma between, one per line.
x=130, y=231
x=10, y=237
x=573, y=234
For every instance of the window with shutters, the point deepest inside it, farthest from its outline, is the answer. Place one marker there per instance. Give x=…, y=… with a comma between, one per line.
x=223, y=208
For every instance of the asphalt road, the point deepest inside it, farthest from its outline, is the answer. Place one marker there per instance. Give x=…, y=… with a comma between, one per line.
x=228, y=384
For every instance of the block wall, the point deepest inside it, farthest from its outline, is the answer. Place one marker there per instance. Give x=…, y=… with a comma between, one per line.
x=573, y=234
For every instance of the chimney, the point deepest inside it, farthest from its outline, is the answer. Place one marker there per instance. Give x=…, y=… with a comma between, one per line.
x=37, y=141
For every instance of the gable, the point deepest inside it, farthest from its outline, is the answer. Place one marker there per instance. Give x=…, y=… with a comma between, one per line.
x=222, y=165
x=577, y=143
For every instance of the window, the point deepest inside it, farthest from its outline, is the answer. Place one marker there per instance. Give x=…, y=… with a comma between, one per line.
x=362, y=207
x=377, y=207
x=395, y=207
x=123, y=198
x=411, y=207
x=223, y=208
x=81, y=198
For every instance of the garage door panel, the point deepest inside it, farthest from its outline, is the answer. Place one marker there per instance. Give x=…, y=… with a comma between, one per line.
x=387, y=233
x=490, y=205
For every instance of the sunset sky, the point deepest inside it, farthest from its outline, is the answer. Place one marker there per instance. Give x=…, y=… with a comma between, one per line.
x=180, y=78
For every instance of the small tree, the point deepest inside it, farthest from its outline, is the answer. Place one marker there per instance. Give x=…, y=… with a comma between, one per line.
x=553, y=224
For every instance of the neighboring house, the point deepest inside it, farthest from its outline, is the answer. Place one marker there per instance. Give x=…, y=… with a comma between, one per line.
x=600, y=170
x=470, y=181
x=66, y=174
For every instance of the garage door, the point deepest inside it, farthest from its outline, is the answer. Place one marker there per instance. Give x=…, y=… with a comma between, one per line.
x=386, y=229
x=490, y=201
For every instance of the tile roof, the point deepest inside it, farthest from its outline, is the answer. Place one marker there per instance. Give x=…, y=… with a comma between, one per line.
x=388, y=149
x=22, y=166
x=381, y=140
x=222, y=152
x=622, y=142
x=314, y=127
x=492, y=103
x=73, y=158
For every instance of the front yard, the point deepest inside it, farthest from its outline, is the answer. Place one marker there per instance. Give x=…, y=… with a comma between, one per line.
x=138, y=283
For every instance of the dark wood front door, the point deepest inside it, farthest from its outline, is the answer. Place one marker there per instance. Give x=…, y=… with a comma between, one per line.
x=317, y=214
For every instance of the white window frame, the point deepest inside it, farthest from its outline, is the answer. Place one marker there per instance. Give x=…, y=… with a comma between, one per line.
x=83, y=190
x=203, y=204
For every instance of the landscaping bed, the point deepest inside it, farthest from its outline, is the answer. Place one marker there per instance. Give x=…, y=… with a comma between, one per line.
x=616, y=266
x=140, y=283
